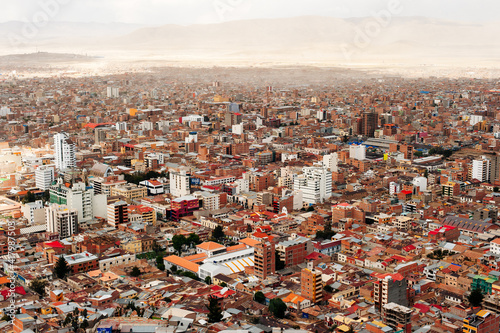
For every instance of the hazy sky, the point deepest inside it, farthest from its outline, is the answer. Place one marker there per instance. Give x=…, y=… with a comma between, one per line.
x=156, y=12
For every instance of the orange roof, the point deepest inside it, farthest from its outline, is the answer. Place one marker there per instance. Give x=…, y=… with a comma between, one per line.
x=4, y=280
x=210, y=246
x=293, y=298
x=198, y=257
x=236, y=248
x=249, y=241
x=183, y=263
x=94, y=273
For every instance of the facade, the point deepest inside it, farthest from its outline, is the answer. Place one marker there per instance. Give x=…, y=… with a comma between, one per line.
x=390, y=288
x=81, y=262
x=184, y=206
x=209, y=201
x=264, y=260
x=311, y=284
x=117, y=213
x=180, y=183
x=44, y=177
x=65, y=152
x=34, y=212
x=331, y=162
x=294, y=251
x=369, y=123
x=397, y=317
x=482, y=322
x=129, y=191
x=315, y=184
x=481, y=169
x=62, y=220
x=357, y=152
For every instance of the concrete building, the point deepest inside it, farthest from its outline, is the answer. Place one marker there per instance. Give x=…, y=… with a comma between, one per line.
x=180, y=183
x=81, y=198
x=44, y=177
x=481, y=169
x=311, y=284
x=209, y=201
x=61, y=219
x=315, y=184
x=65, y=152
x=331, y=162
x=129, y=191
x=357, y=152
x=390, y=288
x=34, y=212
x=482, y=322
x=117, y=213
x=397, y=316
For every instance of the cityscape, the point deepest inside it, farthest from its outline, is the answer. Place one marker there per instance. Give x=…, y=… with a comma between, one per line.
x=247, y=192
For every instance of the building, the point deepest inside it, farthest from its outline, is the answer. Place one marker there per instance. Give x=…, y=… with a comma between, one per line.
x=390, y=288
x=264, y=259
x=397, y=316
x=294, y=251
x=184, y=206
x=64, y=150
x=115, y=260
x=331, y=162
x=315, y=184
x=99, y=135
x=113, y=92
x=144, y=214
x=209, y=201
x=180, y=183
x=81, y=262
x=117, y=213
x=481, y=169
x=34, y=212
x=129, y=191
x=369, y=124
x=311, y=284
x=44, y=177
x=62, y=220
x=357, y=152
x=103, y=185
x=81, y=198
x=482, y=322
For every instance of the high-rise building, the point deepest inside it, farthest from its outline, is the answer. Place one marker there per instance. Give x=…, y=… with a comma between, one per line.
x=117, y=213
x=482, y=322
x=64, y=149
x=481, y=169
x=180, y=183
x=315, y=184
x=390, y=288
x=494, y=166
x=331, y=162
x=113, y=92
x=264, y=260
x=311, y=283
x=99, y=135
x=121, y=126
x=397, y=316
x=44, y=177
x=81, y=198
x=369, y=123
x=61, y=219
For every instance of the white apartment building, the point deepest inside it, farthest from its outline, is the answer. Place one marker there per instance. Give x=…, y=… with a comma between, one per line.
x=179, y=183
x=331, y=162
x=64, y=150
x=357, y=152
x=61, y=219
x=210, y=201
x=315, y=184
x=34, y=212
x=44, y=177
x=481, y=169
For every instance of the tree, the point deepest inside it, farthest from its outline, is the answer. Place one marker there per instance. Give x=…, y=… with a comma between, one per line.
x=214, y=310
x=223, y=284
x=259, y=297
x=38, y=286
x=310, y=209
x=495, y=189
x=85, y=324
x=476, y=297
x=193, y=239
x=29, y=197
x=135, y=272
x=159, y=263
x=328, y=289
x=351, y=330
x=218, y=233
x=208, y=280
x=178, y=242
x=418, y=154
x=277, y=307
x=61, y=269
x=426, y=173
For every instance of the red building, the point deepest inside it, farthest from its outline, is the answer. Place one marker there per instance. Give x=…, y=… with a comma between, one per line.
x=184, y=206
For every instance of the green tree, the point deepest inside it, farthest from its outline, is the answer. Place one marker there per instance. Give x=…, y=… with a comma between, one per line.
x=135, y=272
x=495, y=189
x=277, y=307
x=159, y=263
x=193, y=239
x=178, y=242
x=476, y=297
x=61, y=269
x=328, y=288
x=259, y=297
x=279, y=264
x=223, y=284
x=5, y=317
x=218, y=233
x=426, y=173
x=310, y=209
x=29, y=197
x=214, y=310
x=85, y=324
x=208, y=280
x=38, y=286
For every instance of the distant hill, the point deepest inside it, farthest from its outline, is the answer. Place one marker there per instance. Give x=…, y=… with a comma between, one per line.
x=301, y=39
